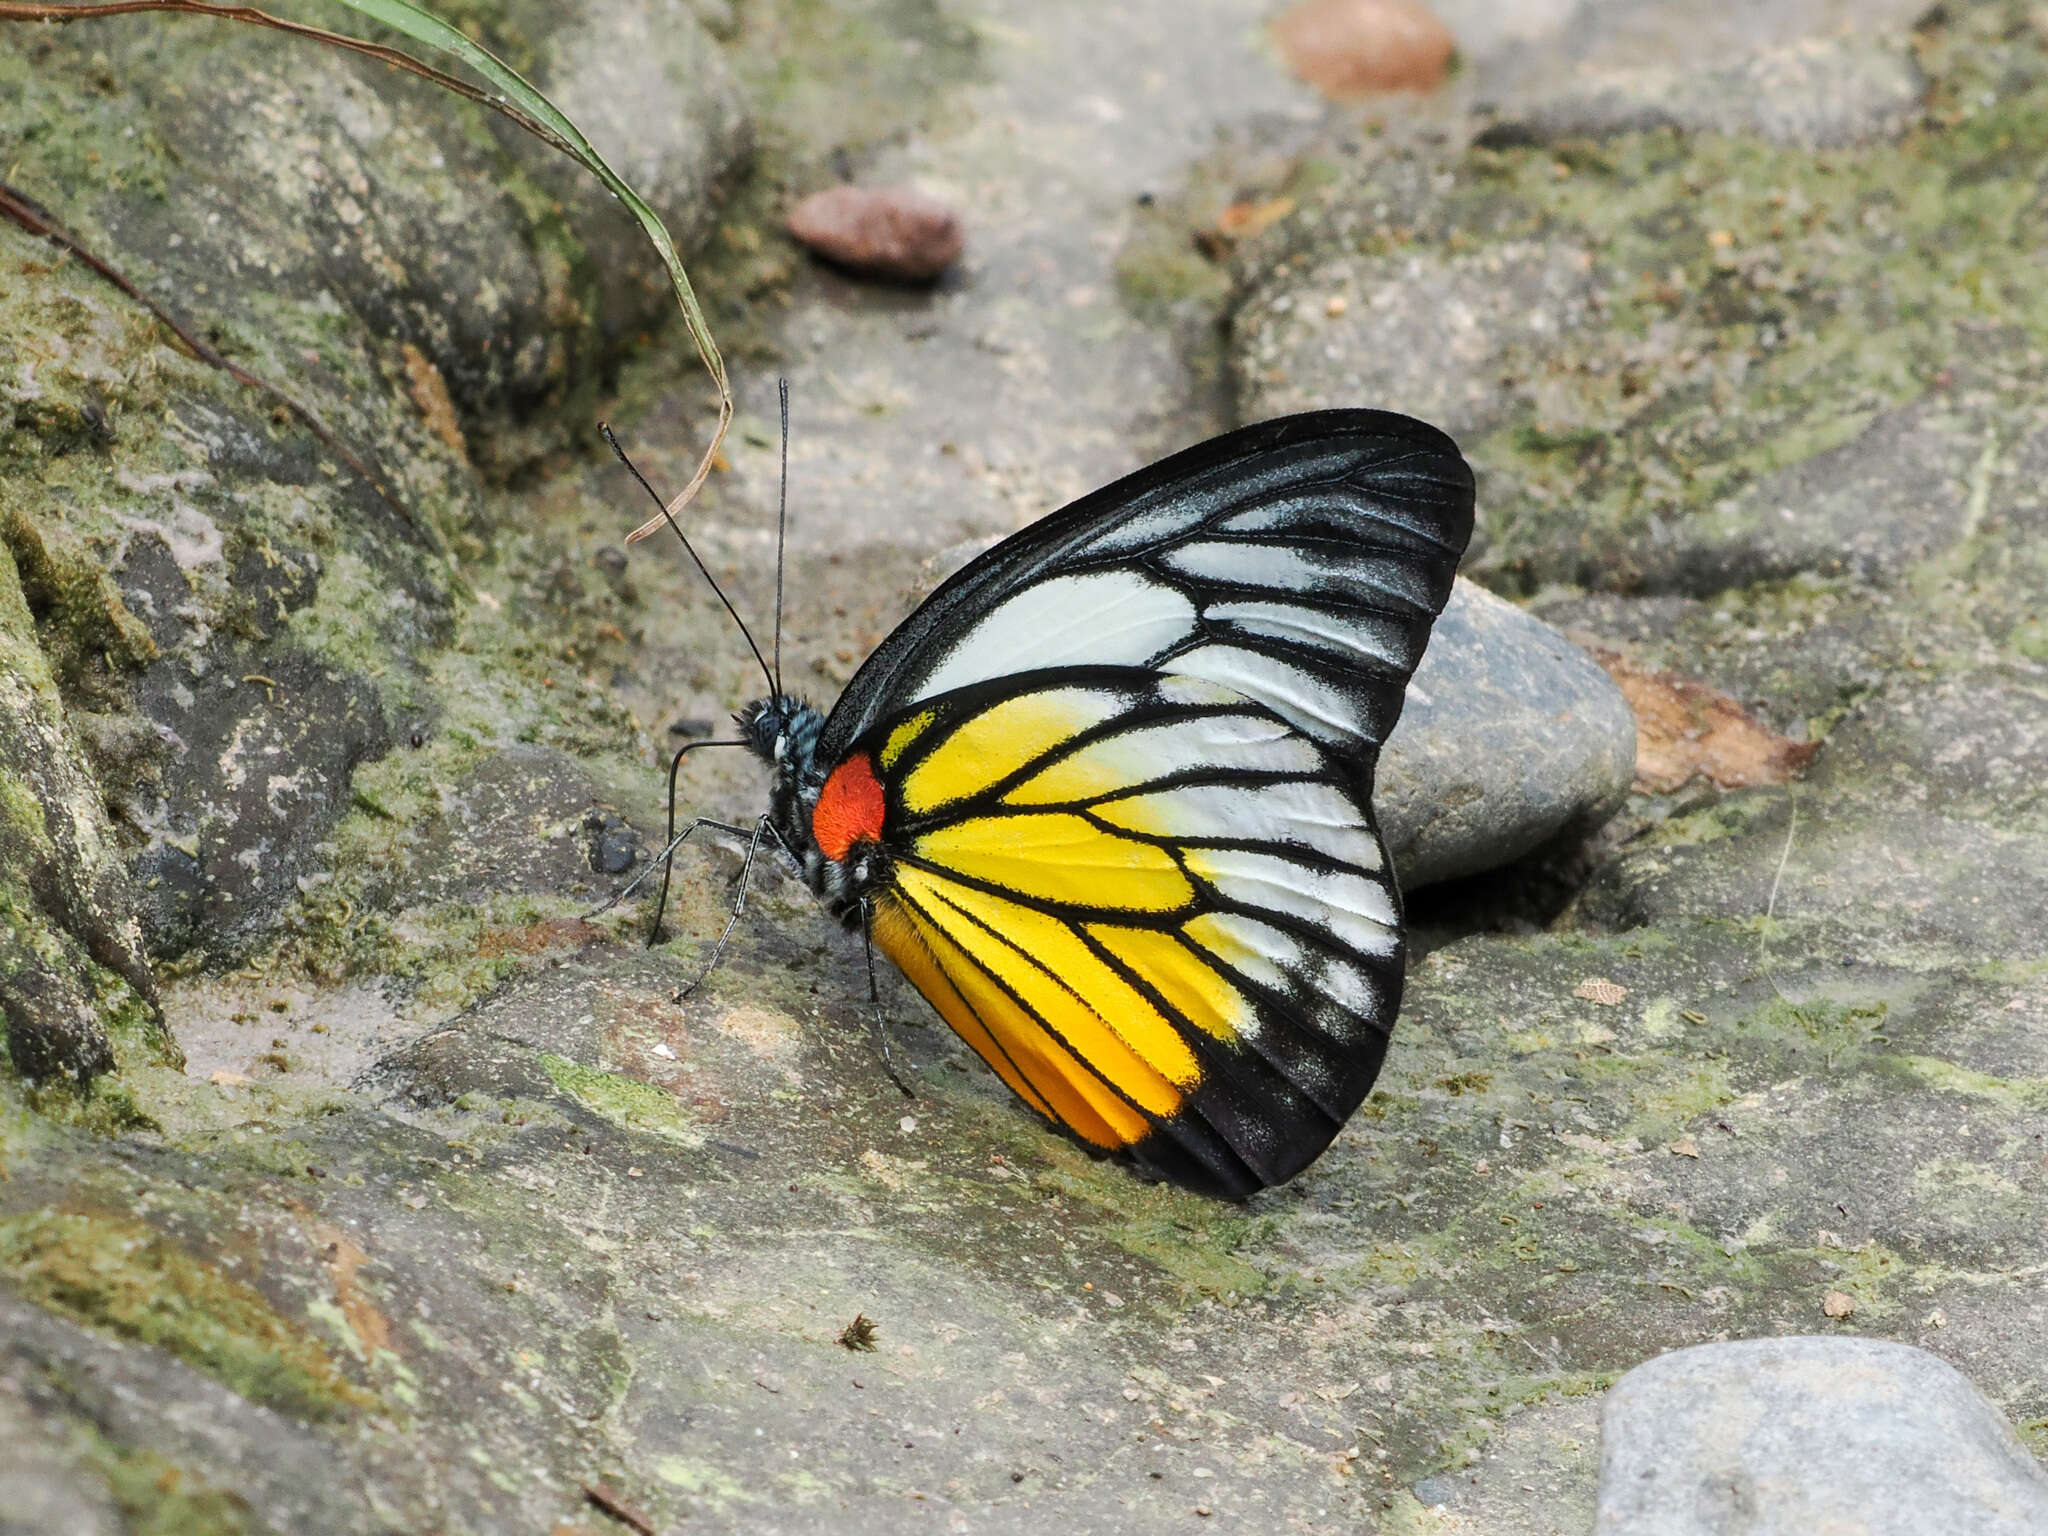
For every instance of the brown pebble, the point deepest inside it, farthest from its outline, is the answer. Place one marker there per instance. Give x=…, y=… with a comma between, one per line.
x=1351, y=47
x=889, y=232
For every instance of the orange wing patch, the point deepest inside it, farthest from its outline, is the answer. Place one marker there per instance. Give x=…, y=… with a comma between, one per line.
x=849, y=808
x=1046, y=964
x=1037, y=1066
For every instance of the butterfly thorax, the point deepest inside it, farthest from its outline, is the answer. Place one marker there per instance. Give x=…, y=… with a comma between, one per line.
x=838, y=853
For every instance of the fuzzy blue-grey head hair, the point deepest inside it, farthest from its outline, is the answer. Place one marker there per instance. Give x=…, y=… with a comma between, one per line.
x=786, y=721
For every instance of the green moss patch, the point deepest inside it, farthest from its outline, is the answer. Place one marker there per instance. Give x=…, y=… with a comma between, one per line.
x=1194, y=1239
x=120, y=1276
x=161, y=1498
x=79, y=610
x=626, y=1102
x=1749, y=305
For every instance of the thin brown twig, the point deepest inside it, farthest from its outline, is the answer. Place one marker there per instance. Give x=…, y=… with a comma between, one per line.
x=618, y=1508
x=38, y=221
x=1763, y=934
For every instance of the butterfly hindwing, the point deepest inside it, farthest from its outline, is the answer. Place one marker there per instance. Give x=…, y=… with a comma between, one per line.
x=1158, y=910
x=1125, y=764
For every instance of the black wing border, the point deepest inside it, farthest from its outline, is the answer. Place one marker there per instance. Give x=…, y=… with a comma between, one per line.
x=1034, y=551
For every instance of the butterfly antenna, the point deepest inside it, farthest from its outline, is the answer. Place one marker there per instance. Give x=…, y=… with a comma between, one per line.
x=774, y=688
x=781, y=528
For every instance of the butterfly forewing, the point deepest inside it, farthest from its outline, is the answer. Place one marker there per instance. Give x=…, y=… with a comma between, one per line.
x=1127, y=764
x=1301, y=561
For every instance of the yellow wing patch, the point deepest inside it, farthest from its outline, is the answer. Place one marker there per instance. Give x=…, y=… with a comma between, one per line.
x=1045, y=965
x=1094, y=770
x=1056, y=857
x=904, y=940
x=1042, y=1070
x=1000, y=740
x=901, y=738
x=1188, y=984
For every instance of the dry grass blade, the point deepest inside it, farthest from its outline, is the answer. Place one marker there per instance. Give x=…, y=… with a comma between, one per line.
x=510, y=93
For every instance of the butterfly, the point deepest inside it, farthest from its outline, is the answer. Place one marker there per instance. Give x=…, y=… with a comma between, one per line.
x=1105, y=797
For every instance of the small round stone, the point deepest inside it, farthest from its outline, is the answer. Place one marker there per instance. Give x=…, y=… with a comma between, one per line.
x=888, y=232
x=1354, y=47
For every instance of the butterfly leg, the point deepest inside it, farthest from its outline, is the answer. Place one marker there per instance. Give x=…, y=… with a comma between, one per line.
x=675, y=767
x=761, y=829
x=663, y=862
x=867, y=944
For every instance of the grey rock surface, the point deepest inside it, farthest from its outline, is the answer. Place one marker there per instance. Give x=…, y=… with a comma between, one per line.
x=1429, y=328
x=1914, y=482
x=261, y=609
x=267, y=176
x=1786, y=1437
x=456, y=1210
x=1534, y=1478
x=166, y=1442
x=655, y=96
x=1511, y=737
x=255, y=734
x=69, y=940
x=1524, y=51
x=1580, y=313
x=895, y=444
x=1817, y=93
x=43, y=1489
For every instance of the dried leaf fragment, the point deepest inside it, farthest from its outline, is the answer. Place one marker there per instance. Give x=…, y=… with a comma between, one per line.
x=345, y=1260
x=1685, y=1146
x=1686, y=730
x=1241, y=222
x=1838, y=1304
x=431, y=399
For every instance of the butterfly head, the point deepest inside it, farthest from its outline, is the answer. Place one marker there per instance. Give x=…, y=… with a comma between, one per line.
x=783, y=732
x=828, y=824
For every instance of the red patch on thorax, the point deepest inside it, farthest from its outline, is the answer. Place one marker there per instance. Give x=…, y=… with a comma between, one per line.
x=849, y=808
